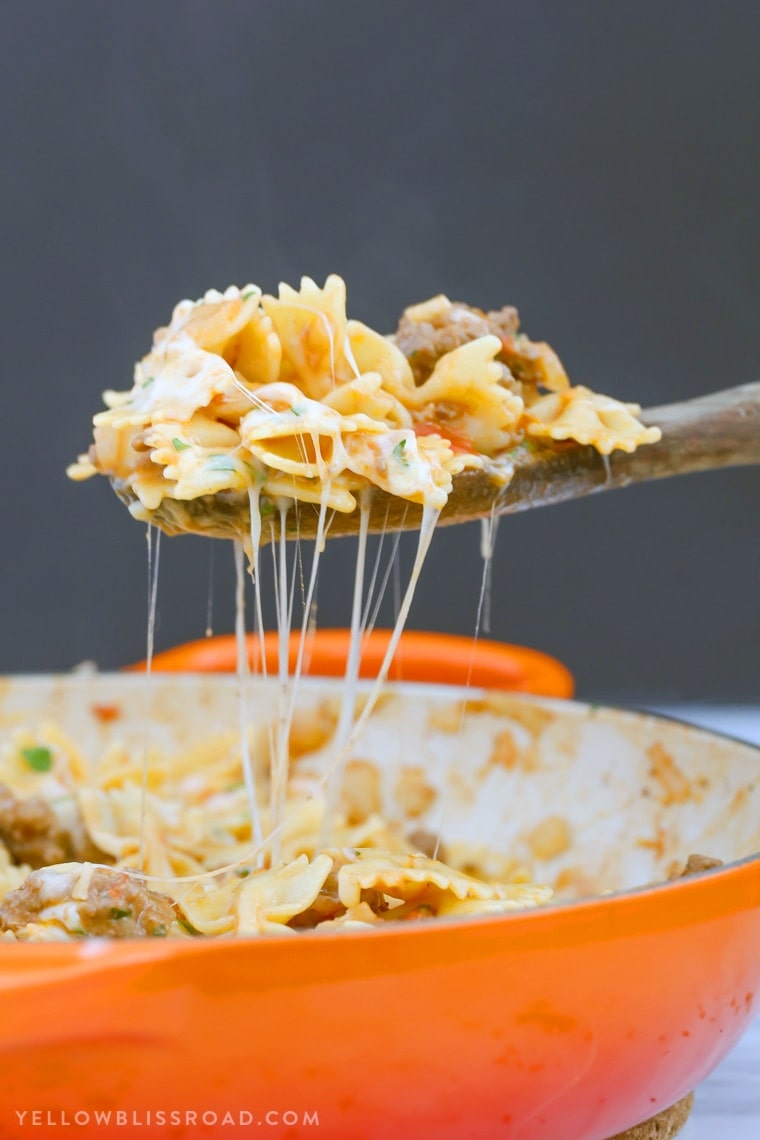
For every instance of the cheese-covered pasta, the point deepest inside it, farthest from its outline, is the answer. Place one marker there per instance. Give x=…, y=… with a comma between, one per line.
x=288, y=396
x=199, y=872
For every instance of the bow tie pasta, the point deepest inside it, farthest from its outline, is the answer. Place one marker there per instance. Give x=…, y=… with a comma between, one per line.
x=288, y=396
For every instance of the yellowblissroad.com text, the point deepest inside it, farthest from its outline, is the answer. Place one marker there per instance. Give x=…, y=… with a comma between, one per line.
x=163, y=1118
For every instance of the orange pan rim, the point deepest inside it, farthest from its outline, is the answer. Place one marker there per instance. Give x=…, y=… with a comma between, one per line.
x=623, y=914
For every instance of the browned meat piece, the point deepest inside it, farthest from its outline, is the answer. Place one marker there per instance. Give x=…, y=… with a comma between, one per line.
x=503, y=322
x=697, y=863
x=34, y=833
x=120, y=906
x=117, y=904
x=424, y=342
x=425, y=333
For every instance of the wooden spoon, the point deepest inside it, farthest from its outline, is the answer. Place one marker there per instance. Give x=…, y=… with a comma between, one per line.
x=719, y=430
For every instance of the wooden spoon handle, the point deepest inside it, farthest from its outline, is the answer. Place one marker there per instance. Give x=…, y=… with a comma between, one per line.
x=719, y=430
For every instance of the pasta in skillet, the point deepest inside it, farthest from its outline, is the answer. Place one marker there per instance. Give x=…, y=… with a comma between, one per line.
x=70, y=839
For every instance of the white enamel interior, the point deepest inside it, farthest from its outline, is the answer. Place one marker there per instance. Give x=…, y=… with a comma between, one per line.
x=638, y=794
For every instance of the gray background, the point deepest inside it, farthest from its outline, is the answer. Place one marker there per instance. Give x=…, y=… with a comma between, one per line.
x=594, y=163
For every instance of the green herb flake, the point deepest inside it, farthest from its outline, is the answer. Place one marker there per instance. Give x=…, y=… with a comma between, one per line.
x=399, y=452
x=150, y=380
x=220, y=463
x=159, y=931
x=296, y=412
x=187, y=926
x=258, y=475
x=179, y=445
x=251, y=293
x=266, y=508
x=243, y=873
x=524, y=447
x=38, y=758
x=117, y=912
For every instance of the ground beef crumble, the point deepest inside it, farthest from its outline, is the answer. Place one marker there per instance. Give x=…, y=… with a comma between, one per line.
x=427, y=332
x=117, y=904
x=425, y=342
x=697, y=863
x=34, y=834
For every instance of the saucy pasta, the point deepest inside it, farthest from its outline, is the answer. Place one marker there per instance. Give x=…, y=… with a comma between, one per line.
x=288, y=396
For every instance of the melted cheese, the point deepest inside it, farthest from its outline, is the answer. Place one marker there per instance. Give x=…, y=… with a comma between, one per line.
x=285, y=399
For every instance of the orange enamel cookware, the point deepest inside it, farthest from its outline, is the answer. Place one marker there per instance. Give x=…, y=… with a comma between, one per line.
x=571, y=1022
x=421, y=656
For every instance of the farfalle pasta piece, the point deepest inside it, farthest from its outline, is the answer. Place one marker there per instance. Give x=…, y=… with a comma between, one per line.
x=367, y=396
x=405, y=877
x=465, y=394
x=373, y=352
x=589, y=418
x=208, y=907
x=414, y=886
x=268, y=900
x=289, y=432
x=336, y=493
x=175, y=383
x=261, y=902
x=214, y=320
x=311, y=326
x=402, y=464
x=519, y=898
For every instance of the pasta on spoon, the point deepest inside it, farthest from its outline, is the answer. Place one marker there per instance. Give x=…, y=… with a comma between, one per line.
x=287, y=396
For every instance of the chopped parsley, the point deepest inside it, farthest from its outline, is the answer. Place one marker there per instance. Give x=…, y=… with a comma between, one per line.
x=247, y=296
x=40, y=759
x=525, y=445
x=399, y=452
x=266, y=507
x=150, y=380
x=117, y=912
x=220, y=463
x=179, y=445
x=159, y=931
x=243, y=873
